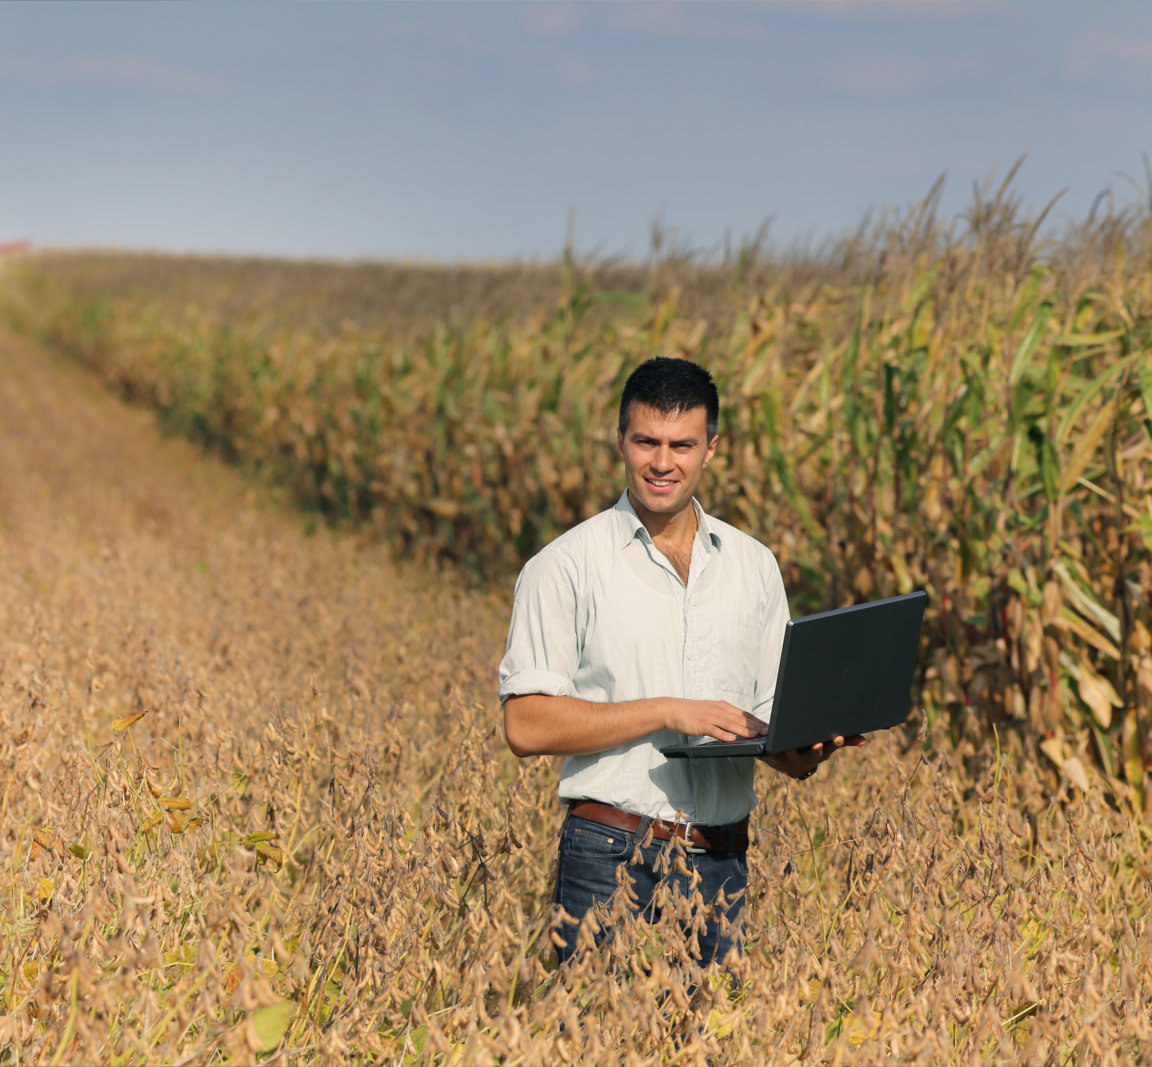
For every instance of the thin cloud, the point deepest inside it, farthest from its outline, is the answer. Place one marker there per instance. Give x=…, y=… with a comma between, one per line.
x=1095, y=52
x=684, y=22
x=559, y=19
x=894, y=77
x=135, y=73
x=904, y=13
x=572, y=69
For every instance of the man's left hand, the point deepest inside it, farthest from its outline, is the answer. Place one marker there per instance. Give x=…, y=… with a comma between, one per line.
x=801, y=762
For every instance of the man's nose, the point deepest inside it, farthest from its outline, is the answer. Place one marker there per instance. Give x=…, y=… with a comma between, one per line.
x=662, y=460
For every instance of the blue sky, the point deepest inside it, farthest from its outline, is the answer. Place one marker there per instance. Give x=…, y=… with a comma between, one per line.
x=471, y=131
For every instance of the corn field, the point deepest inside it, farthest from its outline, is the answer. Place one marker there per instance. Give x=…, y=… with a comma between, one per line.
x=257, y=805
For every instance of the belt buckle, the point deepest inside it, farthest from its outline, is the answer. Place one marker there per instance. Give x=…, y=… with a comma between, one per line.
x=691, y=849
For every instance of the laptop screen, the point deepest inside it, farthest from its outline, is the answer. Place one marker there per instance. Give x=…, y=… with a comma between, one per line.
x=846, y=672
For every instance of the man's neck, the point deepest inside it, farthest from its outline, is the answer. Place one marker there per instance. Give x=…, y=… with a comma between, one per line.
x=677, y=528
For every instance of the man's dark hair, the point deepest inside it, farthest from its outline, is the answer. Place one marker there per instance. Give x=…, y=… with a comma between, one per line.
x=671, y=387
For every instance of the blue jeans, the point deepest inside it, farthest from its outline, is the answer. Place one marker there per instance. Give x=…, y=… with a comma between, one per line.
x=586, y=879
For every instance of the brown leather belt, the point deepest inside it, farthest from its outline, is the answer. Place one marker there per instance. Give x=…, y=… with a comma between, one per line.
x=730, y=838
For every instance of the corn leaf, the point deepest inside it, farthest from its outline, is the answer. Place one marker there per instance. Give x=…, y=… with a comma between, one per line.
x=1074, y=769
x=1145, y=379
x=1132, y=753
x=1053, y=748
x=1086, y=445
x=1086, y=602
x=1085, y=340
x=1028, y=345
x=1097, y=693
x=1087, y=392
x=1069, y=620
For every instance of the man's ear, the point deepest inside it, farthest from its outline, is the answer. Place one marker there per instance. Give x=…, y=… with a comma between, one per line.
x=711, y=449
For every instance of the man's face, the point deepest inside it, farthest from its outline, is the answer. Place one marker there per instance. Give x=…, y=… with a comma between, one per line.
x=664, y=457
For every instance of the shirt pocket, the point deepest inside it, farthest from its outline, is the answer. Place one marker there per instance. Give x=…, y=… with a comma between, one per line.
x=733, y=648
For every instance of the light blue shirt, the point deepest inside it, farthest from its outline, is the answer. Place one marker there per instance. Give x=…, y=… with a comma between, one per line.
x=601, y=614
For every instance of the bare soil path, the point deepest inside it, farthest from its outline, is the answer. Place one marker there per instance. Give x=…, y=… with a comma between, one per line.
x=214, y=730
x=138, y=574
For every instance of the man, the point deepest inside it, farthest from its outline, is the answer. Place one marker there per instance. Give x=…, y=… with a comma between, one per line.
x=646, y=624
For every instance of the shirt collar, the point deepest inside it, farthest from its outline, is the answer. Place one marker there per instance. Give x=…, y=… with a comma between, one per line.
x=629, y=525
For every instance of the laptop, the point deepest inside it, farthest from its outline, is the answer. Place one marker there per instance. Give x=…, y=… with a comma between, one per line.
x=842, y=672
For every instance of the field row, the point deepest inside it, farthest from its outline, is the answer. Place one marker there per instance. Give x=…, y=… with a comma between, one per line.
x=257, y=806
x=977, y=423
x=256, y=801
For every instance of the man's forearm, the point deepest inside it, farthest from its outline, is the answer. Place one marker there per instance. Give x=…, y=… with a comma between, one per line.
x=538, y=725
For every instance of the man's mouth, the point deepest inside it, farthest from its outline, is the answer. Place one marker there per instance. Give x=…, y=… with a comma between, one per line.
x=659, y=483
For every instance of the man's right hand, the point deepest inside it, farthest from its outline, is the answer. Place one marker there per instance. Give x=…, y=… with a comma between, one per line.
x=712, y=718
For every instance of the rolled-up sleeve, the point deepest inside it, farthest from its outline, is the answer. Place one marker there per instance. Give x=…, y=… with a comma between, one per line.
x=542, y=653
